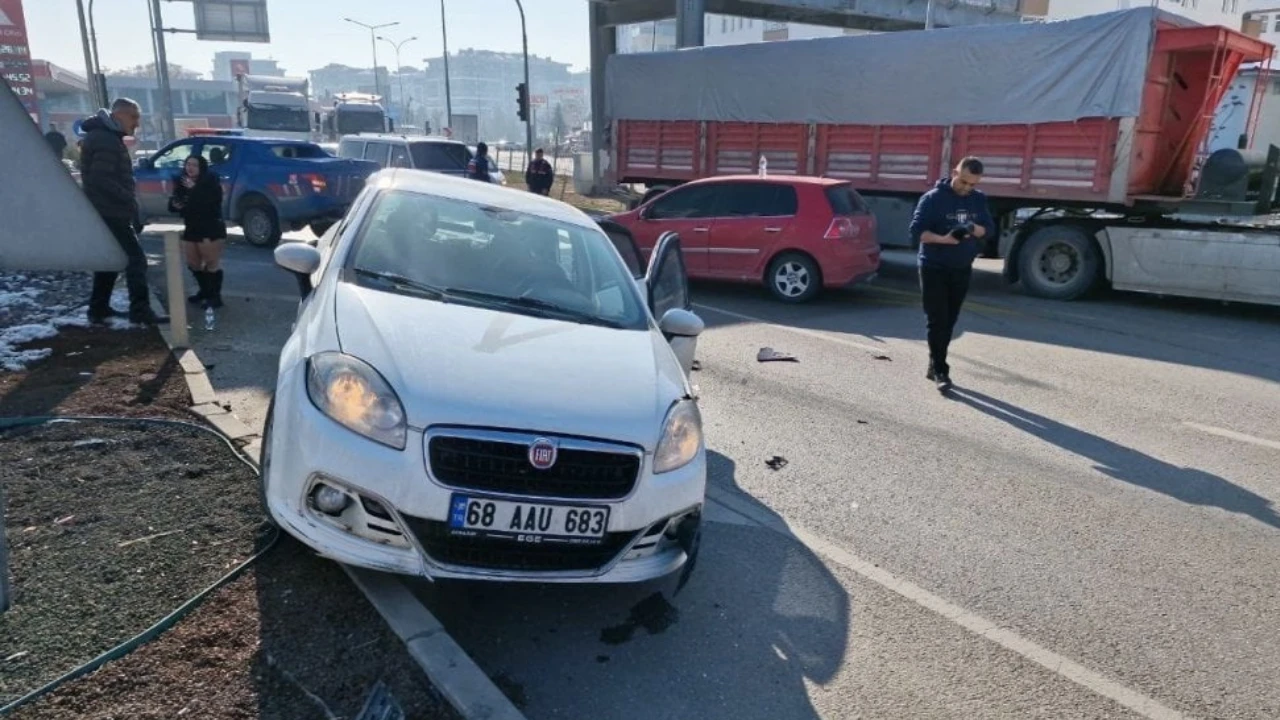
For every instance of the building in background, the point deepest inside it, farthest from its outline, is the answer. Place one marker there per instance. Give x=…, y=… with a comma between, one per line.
x=1228, y=13
x=228, y=64
x=333, y=79
x=15, y=57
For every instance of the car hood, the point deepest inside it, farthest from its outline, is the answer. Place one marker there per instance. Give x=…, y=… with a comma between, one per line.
x=465, y=365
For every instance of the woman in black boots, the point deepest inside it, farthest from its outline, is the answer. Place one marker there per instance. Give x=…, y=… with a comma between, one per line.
x=197, y=197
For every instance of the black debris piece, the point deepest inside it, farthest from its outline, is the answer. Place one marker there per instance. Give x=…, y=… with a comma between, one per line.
x=882, y=357
x=768, y=354
x=697, y=365
x=777, y=462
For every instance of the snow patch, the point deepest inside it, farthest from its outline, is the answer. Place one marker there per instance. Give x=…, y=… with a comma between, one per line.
x=38, y=312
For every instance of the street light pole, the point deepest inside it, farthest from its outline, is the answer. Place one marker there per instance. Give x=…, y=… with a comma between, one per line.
x=88, y=59
x=448, y=96
x=373, y=43
x=404, y=111
x=528, y=122
x=928, y=16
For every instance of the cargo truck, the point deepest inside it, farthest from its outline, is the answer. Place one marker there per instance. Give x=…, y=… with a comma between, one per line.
x=276, y=107
x=1092, y=132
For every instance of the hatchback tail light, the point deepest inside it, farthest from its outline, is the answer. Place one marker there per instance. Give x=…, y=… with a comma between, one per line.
x=841, y=228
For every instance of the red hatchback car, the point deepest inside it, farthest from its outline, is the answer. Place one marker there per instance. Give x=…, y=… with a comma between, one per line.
x=795, y=234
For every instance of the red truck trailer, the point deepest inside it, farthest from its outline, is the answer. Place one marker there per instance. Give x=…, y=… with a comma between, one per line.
x=1092, y=132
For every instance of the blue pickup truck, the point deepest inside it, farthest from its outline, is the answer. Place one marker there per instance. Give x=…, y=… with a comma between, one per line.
x=268, y=185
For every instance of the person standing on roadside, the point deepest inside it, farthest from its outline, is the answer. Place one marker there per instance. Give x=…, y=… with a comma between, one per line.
x=540, y=176
x=197, y=197
x=950, y=225
x=57, y=141
x=479, y=168
x=106, y=173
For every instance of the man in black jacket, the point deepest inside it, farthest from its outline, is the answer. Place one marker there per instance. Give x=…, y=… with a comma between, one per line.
x=540, y=176
x=106, y=172
x=951, y=224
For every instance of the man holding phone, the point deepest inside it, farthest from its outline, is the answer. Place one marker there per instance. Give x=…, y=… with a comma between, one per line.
x=950, y=224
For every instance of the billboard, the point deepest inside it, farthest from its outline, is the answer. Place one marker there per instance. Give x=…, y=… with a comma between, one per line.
x=232, y=20
x=15, y=57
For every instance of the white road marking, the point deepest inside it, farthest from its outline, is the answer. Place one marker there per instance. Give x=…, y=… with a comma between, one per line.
x=1233, y=435
x=1059, y=664
x=799, y=331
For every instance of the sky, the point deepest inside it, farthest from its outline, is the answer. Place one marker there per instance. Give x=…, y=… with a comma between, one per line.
x=308, y=34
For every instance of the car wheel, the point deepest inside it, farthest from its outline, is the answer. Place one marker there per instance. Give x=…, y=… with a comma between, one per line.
x=265, y=462
x=794, y=278
x=261, y=226
x=1058, y=262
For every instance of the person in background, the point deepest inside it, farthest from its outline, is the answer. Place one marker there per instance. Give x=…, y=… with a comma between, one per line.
x=540, y=176
x=478, y=168
x=106, y=173
x=950, y=224
x=197, y=197
x=57, y=141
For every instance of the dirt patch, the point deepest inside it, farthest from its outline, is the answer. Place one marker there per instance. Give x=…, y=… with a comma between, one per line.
x=292, y=639
x=563, y=190
x=111, y=526
x=98, y=371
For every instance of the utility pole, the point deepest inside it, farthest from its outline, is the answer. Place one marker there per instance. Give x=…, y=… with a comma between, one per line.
x=448, y=96
x=928, y=15
x=88, y=59
x=167, y=131
x=373, y=43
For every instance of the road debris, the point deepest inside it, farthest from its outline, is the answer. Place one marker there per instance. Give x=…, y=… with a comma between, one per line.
x=882, y=357
x=768, y=354
x=777, y=462
x=148, y=538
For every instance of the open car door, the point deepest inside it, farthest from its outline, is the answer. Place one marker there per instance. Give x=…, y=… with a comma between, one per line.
x=667, y=290
x=626, y=245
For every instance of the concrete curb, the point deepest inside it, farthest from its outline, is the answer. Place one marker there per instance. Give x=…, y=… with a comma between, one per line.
x=449, y=668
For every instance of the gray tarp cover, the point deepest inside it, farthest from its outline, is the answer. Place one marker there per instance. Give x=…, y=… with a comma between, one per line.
x=995, y=74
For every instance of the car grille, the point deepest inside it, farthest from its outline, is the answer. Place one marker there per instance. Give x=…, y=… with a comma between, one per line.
x=499, y=554
x=502, y=466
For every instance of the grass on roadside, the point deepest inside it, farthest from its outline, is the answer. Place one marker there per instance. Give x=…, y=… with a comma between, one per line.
x=563, y=190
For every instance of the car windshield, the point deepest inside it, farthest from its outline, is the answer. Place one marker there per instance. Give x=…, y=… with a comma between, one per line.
x=351, y=122
x=452, y=251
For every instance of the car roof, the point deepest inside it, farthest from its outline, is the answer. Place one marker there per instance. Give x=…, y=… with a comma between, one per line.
x=784, y=179
x=473, y=191
x=405, y=138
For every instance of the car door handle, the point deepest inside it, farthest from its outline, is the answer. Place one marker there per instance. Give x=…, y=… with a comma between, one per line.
x=773, y=230
x=701, y=229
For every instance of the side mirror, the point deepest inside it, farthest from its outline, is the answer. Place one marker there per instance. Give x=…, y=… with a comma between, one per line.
x=645, y=212
x=678, y=322
x=298, y=257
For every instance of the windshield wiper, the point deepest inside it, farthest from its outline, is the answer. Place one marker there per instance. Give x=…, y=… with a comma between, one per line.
x=531, y=303
x=404, y=283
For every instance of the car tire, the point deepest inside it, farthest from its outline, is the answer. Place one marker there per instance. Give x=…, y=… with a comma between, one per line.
x=320, y=227
x=1059, y=262
x=265, y=462
x=793, y=278
x=260, y=223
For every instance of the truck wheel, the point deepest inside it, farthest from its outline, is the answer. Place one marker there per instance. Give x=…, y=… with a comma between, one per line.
x=1058, y=262
x=320, y=227
x=261, y=226
x=794, y=278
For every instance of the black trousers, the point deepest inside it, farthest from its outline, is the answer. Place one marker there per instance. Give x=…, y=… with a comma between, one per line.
x=135, y=273
x=943, y=291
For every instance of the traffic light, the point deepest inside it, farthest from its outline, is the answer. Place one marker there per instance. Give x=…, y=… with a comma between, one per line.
x=522, y=99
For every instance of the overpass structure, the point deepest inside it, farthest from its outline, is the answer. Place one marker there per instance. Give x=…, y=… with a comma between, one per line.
x=875, y=15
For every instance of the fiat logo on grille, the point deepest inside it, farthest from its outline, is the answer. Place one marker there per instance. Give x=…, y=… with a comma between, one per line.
x=542, y=454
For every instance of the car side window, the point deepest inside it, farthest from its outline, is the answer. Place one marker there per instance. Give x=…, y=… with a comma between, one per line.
x=173, y=158
x=757, y=199
x=351, y=149
x=400, y=157
x=685, y=203
x=377, y=152
x=216, y=153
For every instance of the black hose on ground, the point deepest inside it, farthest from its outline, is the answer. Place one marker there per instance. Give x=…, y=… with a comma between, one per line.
x=182, y=610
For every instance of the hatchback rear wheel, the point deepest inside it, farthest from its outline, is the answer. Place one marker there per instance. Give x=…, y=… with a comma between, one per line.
x=794, y=278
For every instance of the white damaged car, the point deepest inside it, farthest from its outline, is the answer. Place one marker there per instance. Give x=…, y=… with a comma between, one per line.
x=476, y=387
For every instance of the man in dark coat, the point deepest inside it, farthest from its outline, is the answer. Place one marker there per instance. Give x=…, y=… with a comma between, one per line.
x=479, y=167
x=106, y=172
x=540, y=176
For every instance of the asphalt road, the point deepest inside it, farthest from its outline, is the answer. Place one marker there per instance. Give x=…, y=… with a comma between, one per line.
x=1087, y=528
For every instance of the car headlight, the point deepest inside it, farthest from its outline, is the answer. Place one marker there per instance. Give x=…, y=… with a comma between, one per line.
x=354, y=395
x=681, y=437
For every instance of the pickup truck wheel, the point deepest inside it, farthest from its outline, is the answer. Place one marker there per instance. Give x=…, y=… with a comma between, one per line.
x=1058, y=262
x=320, y=227
x=794, y=278
x=261, y=226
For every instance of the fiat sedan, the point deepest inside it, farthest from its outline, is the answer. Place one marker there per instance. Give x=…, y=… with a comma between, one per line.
x=483, y=383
